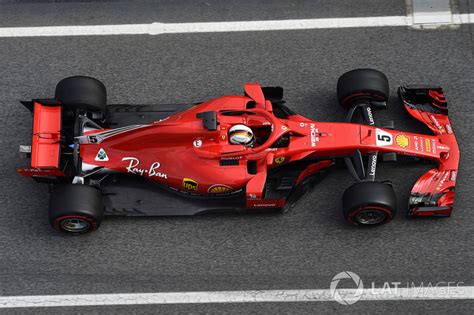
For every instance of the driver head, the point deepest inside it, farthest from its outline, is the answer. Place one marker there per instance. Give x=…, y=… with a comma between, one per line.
x=241, y=134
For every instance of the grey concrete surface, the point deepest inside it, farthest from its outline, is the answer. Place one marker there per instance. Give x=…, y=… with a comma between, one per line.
x=304, y=248
x=406, y=307
x=35, y=13
x=466, y=6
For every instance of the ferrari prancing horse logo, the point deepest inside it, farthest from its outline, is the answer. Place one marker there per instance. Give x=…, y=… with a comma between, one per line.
x=279, y=159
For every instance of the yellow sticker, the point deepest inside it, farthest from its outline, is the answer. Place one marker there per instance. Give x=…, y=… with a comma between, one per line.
x=427, y=145
x=190, y=184
x=219, y=189
x=279, y=159
x=402, y=141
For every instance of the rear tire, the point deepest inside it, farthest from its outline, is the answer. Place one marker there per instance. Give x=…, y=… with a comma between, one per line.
x=369, y=204
x=360, y=84
x=75, y=209
x=81, y=92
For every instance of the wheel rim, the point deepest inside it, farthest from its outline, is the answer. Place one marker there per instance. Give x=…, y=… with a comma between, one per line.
x=75, y=225
x=370, y=216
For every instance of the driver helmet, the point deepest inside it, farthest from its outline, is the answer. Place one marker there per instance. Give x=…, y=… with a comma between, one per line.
x=241, y=134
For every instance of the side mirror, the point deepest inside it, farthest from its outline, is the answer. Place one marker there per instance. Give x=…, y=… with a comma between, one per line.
x=254, y=91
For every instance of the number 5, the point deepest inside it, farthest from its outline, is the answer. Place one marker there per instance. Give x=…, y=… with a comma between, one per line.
x=384, y=138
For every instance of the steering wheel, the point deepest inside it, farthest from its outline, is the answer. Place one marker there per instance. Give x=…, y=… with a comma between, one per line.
x=278, y=130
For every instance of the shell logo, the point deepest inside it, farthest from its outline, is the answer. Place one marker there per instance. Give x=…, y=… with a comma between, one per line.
x=219, y=189
x=402, y=141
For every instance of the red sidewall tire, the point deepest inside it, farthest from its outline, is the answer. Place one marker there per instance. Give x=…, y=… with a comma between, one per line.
x=348, y=100
x=352, y=214
x=92, y=223
x=364, y=196
x=356, y=84
x=82, y=202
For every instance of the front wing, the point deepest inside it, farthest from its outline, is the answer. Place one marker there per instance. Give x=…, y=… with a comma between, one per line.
x=433, y=193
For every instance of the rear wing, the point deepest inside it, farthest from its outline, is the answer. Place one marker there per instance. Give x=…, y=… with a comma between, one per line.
x=45, y=142
x=433, y=192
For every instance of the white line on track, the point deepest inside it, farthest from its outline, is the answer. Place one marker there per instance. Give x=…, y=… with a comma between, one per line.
x=210, y=27
x=373, y=294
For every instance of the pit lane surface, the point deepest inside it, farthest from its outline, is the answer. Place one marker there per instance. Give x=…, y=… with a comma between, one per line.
x=302, y=249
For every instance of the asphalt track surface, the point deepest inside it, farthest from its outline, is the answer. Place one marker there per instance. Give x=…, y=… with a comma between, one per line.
x=301, y=249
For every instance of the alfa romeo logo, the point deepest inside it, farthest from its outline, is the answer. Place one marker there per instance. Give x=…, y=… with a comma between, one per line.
x=101, y=155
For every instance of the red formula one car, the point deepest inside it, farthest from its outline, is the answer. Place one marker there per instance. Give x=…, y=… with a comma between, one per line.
x=232, y=153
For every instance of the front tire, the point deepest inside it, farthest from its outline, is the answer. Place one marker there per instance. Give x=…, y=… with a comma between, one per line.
x=362, y=84
x=75, y=209
x=369, y=204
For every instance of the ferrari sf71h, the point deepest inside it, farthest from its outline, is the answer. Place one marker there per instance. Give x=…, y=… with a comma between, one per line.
x=233, y=153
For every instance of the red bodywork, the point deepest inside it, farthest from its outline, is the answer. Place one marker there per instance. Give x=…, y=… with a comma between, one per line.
x=45, y=143
x=439, y=181
x=180, y=152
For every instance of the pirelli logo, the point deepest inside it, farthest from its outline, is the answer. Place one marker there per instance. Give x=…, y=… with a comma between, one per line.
x=428, y=145
x=190, y=184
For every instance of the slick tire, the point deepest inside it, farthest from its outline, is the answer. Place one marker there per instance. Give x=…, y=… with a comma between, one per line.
x=75, y=209
x=357, y=84
x=369, y=204
x=81, y=92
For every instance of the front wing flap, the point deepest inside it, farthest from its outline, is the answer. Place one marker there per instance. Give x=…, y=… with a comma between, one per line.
x=433, y=192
